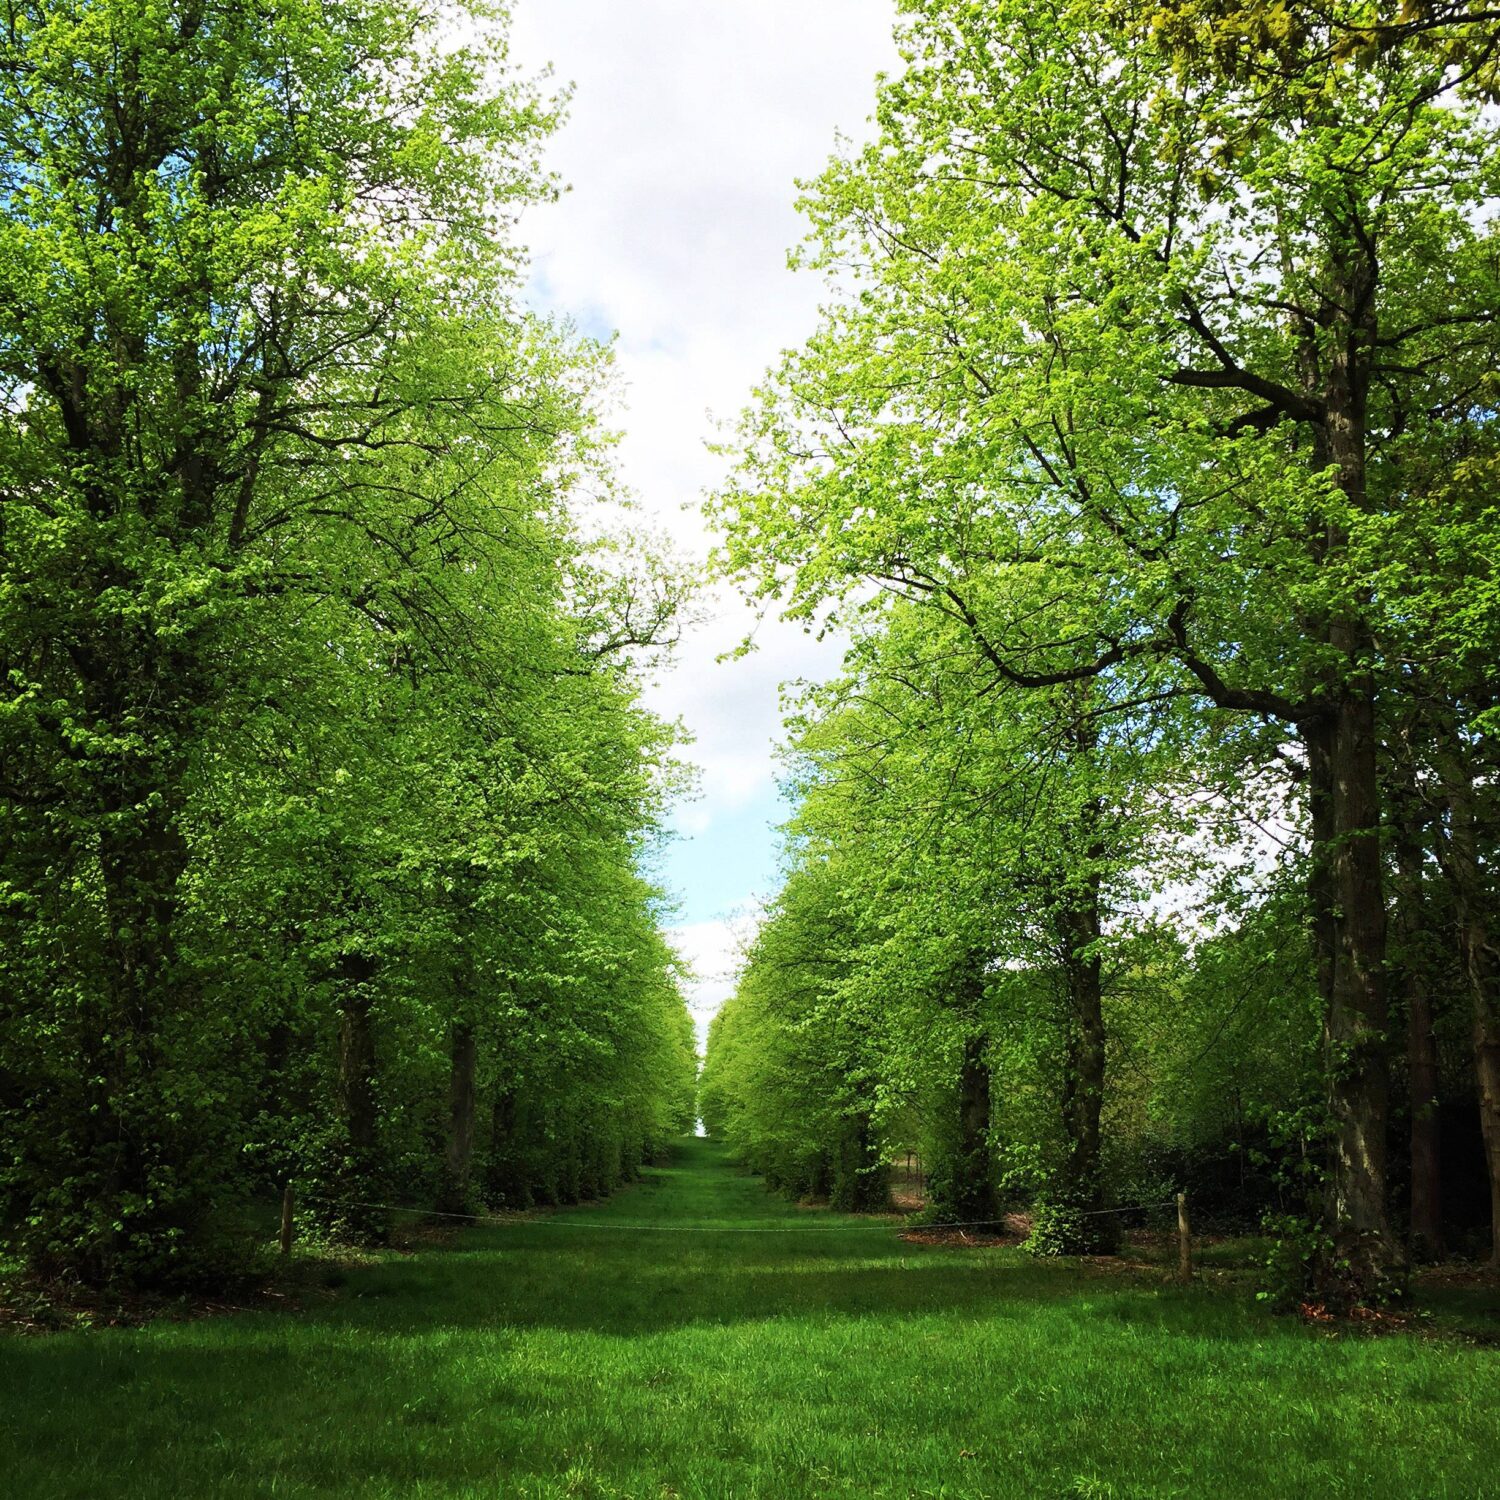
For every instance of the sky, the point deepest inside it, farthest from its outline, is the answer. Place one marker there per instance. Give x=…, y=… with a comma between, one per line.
x=690, y=123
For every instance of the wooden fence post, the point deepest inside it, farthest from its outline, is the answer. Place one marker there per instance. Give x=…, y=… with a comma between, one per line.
x=287, y=1205
x=1184, y=1241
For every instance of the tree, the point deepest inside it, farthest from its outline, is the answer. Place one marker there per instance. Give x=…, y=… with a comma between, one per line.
x=310, y=686
x=987, y=849
x=1274, y=43
x=1174, y=347
x=790, y=1074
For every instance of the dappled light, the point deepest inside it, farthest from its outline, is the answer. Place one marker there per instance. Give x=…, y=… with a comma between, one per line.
x=750, y=749
x=806, y=1354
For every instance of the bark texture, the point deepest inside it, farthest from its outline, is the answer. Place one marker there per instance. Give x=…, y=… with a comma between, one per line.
x=1481, y=970
x=462, y=1084
x=1083, y=1080
x=1421, y=1043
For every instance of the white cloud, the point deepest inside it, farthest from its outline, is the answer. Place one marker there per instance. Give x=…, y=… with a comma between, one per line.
x=712, y=950
x=690, y=124
x=732, y=708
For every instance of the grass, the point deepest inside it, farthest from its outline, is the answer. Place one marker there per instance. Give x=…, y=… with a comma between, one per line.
x=551, y=1358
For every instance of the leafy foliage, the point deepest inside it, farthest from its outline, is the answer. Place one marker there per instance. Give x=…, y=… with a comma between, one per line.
x=1124, y=452
x=324, y=786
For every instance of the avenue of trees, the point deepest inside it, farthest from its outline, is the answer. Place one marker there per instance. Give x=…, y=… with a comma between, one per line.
x=325, y=790
x=1147, y=455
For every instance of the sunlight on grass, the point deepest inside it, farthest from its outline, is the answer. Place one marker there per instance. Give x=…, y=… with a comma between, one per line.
x=530, y=1361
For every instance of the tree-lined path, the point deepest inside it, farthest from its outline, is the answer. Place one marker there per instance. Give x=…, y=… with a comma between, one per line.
x=793, y=1353
x=1138, y=465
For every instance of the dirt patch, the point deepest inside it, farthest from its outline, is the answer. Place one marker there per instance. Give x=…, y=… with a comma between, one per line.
x=1011, y=1229
x=408, y=1239
x=1366, y=1319
x=1457, y=1273
x=31, y=1308
x=968, y=1238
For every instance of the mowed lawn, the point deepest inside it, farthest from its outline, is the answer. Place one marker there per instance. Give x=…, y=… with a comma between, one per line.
x=813, y=1355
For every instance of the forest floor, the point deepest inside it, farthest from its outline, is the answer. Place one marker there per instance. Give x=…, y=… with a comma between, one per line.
x=789, y=1352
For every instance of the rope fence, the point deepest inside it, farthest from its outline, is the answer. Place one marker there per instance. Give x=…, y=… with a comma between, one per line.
x=638, y=1226
x=570, y=1221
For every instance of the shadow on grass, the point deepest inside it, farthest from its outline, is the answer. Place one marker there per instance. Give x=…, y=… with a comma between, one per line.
x=621, y=1294
x=603, y=1361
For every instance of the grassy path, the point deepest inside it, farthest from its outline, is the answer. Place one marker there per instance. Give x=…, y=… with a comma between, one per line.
x=554, y=1359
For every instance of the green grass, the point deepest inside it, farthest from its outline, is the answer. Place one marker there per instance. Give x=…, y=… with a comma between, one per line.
x=553, y=1359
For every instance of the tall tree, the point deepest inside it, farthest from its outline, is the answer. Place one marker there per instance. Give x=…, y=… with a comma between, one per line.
x=286, y=570
x=1169, y=344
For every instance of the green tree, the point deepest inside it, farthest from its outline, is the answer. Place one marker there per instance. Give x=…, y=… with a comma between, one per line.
x=1178, y=349
x=320, y=757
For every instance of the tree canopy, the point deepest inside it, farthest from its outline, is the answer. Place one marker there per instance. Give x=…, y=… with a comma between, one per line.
x=1160, y=391
x=325, y=786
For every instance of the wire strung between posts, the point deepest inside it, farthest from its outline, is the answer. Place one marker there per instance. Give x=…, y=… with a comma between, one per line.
x=568, y=1222
x=1082, y=1213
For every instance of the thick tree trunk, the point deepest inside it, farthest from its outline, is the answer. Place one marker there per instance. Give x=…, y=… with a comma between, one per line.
x=356, y=1074
x=861, y=1181
x=1487, y=1069
x=505, y=1178
x=360, y=1215
x=1366, y=1260
x=1076, y=1225
x=1318, y=743
x=140, y=1150
x=819, y=1177
x=463, y=1073
x=1426, y=1135
x=962, y=1182
x=1346, y=889
x=1480, y=968
x=975, y=1190
x=1083, y=1085
x=1421, y=1044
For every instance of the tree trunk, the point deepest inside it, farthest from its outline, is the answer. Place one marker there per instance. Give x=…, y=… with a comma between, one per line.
x=354, y=1178
x=1318, y=743
x=356, y=1076
x=818, y=1179
x=1083, y=1087
x=975, y=1190
x=1421, y=1044
x=1487, y=1069
x=140, y=1149
x=1478, y=959
x=1366, y=1260
x=1426, y=1141
x=961, y=1183
x=505, y=1177
x=874, y=1195
x=463, y=1070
